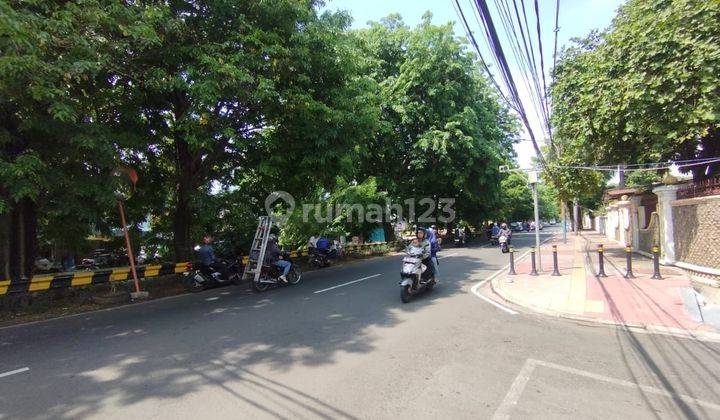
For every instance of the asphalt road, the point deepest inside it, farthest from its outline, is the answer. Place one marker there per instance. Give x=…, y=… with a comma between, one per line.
x=353, y=351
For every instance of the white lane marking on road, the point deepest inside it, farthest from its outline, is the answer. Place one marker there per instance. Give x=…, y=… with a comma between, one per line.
x=628, y=384
x=345, y=284
x=447, y=256
x=516, y=389
x=475, y=288
x=518, y=385
x=13, y=372
x=488, y=300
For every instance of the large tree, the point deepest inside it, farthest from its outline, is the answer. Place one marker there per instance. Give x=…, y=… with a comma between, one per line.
x=442, y=130
x=57, y=145
x=238, y=93
x=645, y=90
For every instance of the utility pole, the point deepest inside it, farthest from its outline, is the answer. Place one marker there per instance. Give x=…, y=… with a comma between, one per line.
x=621, y=176
x=533, y=178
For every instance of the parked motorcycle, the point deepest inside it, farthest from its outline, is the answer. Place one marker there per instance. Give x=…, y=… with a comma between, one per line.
x=320, y=259
x=202, y=278
x=270, y=275
x=416, y=276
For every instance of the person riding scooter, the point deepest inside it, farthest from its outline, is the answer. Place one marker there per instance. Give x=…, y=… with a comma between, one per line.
x=208, y=261
x=494, y=234
x=506, y=232
x=421, y=241
x=432, y=236
x=274, y=256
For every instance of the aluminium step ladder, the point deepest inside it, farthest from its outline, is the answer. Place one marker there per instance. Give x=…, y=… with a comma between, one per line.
x=257, y=249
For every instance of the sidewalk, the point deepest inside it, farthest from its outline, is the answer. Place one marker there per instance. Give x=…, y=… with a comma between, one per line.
x=668, y=304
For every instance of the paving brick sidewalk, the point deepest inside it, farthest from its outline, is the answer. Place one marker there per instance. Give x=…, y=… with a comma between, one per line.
x=578, y=293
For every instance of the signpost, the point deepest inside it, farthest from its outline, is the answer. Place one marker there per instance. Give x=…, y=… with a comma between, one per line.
x=126, y=178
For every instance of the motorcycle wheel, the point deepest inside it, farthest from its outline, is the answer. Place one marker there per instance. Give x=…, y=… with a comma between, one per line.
x=295, y=275
x=405, y=294
x=260, y=287
x=192, y=285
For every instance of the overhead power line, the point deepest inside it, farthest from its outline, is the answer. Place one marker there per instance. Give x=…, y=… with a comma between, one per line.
x=473, y=42
x=641, y=167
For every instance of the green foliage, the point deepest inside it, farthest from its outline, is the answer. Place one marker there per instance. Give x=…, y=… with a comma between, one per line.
x=350, y=209
x=442, y=130
x=643, y=91
x=517, y=200
x=217, y=105
x=642, y=178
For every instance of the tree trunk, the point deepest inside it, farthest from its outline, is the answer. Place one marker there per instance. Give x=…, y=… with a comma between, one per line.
x=20, y=243
x=5, y=246
x=182, y=221
x=29, y=231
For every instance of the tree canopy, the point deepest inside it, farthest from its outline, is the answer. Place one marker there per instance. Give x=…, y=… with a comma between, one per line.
x=645, y=90
x=217, y=104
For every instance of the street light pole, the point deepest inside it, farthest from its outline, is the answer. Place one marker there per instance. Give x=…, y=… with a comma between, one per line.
x=533, y=178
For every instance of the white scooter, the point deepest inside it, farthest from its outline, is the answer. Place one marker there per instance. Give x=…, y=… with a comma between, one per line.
x=416, y=277
x=504, y=245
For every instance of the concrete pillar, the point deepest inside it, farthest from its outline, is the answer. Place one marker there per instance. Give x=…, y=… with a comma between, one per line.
x=612, y=211
x=666, y=195
x=624, y=219
x=634, y=221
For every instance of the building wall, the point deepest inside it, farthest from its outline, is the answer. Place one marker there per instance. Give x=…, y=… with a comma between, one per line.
x=696, y=223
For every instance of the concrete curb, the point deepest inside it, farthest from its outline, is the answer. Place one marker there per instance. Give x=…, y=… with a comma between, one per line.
x=643, y=328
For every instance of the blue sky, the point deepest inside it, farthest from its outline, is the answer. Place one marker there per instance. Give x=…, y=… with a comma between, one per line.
x=577, y=18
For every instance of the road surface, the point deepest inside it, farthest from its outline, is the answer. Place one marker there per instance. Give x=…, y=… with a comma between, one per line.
x=317, y=350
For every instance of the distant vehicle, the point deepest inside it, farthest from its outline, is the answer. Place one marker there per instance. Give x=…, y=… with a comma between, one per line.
x=516, y=227
x=552, y=222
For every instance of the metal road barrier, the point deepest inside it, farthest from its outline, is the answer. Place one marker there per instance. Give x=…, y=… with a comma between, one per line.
x=628, y=262
x=656, y=263
x=533, y=271
x=86, y=278
x=601, y=259
x=556, y=271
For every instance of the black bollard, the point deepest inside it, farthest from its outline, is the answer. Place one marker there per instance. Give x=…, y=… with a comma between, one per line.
x=656, y=263
x=601, y=257
x=533, y=272
x=512, y=262
x=628, y=256
x=555, y=272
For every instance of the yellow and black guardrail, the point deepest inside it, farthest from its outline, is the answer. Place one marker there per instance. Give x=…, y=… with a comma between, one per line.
x=86, y=278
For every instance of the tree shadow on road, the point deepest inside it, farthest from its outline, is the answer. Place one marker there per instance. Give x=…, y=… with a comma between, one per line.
x=665, y=361
x=224, y=339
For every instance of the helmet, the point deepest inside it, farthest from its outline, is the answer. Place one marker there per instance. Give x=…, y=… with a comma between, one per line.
x=504, y=225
